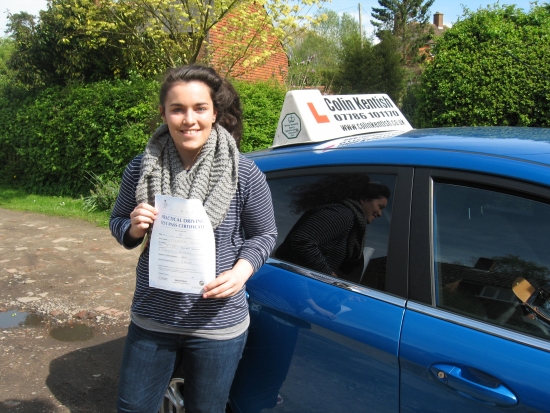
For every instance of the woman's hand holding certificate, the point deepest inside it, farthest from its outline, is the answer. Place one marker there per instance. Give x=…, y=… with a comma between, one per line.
x=230, y=282
x=141, y=218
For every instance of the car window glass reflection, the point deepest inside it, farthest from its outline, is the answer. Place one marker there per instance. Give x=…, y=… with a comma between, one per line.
x=335, y=224
x=492, y=256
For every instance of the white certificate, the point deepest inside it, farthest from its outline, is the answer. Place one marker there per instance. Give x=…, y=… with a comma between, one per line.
x=182, y=252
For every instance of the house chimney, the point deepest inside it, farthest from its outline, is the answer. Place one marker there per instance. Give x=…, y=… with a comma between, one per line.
x=438, y=20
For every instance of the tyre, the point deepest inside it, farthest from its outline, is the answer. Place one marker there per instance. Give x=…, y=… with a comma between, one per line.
x=173, y=398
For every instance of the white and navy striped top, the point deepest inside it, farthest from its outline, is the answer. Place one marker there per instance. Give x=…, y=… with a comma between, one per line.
x=319, y=240
x=248, y=232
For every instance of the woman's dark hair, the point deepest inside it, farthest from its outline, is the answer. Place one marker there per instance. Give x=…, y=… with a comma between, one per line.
x=336, y=188
x=224, y=96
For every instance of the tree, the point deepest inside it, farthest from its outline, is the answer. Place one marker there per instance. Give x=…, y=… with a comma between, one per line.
x=368, y=68
x=251, y=34
x=22, y=27
x=491, y=68
x=70, y=41
x=166, y=33
x=514, y=265
x=332, y=54
x=6, y=50
x=89, y=40
x=175, y=31
x=408, y=21
x=391, y=73
x=316, y=53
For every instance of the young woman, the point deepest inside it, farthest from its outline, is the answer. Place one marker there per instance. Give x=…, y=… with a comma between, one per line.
x=329, y=236
x=193, y=155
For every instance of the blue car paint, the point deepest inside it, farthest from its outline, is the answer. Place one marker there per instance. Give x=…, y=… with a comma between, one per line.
x=426, y=341
x=437, y=148
x=315, y=360
x=379, y=356
x=492, y=165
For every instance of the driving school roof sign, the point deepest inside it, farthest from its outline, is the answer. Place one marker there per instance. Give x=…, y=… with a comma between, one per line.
x=308, y=116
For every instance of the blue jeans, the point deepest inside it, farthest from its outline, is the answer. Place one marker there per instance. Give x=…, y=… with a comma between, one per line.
x=150, y=358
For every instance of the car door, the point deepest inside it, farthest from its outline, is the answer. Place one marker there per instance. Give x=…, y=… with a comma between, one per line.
x=468, y=343
x=324, y=343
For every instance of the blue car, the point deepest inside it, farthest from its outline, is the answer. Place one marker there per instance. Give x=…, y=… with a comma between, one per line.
x=439, y=301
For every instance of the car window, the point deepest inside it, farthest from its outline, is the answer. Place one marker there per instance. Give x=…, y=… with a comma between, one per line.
x=324, y=227
x=492, y=256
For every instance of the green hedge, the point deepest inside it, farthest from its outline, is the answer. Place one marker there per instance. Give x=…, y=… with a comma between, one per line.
x=52, y=140
x=262, y=104
x=491, y=68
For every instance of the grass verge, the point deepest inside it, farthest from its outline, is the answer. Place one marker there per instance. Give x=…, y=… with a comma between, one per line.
x=19, y=200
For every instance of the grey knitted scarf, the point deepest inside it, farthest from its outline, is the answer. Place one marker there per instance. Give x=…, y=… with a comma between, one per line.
x=212, y=179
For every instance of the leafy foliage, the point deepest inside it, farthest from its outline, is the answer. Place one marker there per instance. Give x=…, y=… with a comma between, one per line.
x=316, y=53
x=50, y=138
x=253, y=31
x=262, y=103
x=491, y=68
x=513, y=264
x=173, y=32
x=408, y=21
x=6, y=49
x=367, y=68
x=72, y=41
x=103, y=195
x=334, y=55
x=55, y=139
x=93, y=40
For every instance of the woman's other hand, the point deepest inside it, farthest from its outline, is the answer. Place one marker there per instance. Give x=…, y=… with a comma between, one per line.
x=141, y=218
x=229, y=283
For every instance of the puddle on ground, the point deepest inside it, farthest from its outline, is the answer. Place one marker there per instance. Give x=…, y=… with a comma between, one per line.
x=72, y=332
x=14, y=318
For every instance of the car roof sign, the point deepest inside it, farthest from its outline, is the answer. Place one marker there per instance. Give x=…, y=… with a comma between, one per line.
x=308, y=116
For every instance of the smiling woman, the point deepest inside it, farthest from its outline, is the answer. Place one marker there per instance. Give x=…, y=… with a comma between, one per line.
x=194, y=155
x=189, y=113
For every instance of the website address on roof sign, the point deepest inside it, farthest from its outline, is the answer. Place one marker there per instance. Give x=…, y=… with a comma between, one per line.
x=369, y=125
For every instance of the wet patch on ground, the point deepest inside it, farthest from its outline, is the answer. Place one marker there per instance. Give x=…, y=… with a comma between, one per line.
x=15, y=318
x=72, y=332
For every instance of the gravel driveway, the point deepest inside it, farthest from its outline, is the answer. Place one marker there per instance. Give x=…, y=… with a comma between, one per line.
x=67, y=285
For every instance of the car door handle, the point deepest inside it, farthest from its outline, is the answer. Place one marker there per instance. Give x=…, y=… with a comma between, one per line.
x=492, y=391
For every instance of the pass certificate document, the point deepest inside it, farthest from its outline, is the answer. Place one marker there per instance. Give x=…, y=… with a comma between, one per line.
x=182, y=251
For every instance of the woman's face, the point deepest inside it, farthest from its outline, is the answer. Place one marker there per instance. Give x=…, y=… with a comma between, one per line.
x=189, y=113
x=373, y=208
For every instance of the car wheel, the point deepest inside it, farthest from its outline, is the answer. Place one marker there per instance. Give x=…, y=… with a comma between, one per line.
x=173, y=398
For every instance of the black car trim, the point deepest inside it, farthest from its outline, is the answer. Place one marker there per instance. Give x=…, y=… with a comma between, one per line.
x=420, y=268
x=484, y=181
x=479, y=326
x=397, y=271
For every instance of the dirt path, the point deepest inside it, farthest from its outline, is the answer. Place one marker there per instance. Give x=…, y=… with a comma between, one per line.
x=75, y=284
